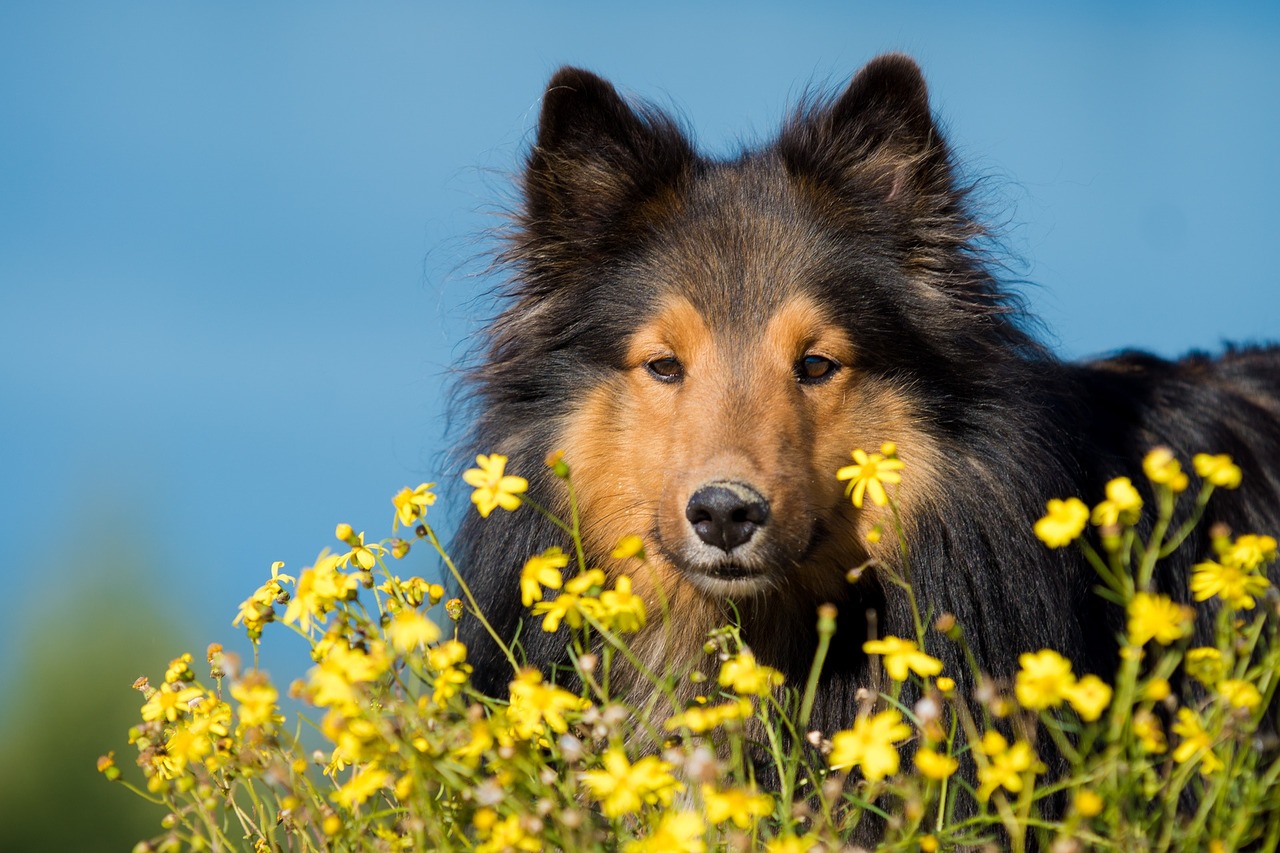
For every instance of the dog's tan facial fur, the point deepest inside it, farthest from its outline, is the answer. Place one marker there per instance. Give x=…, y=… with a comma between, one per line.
x=639, y=447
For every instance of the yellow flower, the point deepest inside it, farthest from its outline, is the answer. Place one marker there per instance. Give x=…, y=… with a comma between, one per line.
x=624, y=788
x=1157, y=690
x=1006, y=765
x=1233, y=585
x=1122, y=506
x=409, y=630
x=935, y=765
x=1044, y=680
x=1156, y=617
x=1205, y=664
x=748, y=678
x=900, y=656
x=871, y=744
x=1146, y=728
x=1196, y=744
x=257, y=698
x=1218, y=469
x=743, y=806
x=505, y=835
x=1063, y=523
x=788, y=843
x=539, y=571
x=1088, y=804
x=868, y=475
x=1089, y=696
x=620, y=609
x=169, y=703
x=1163, y=468
x=628, y=546
x=318, y=591
x=493, y=488
x=1240, y=694
x=411, y=504
x=703, y=719
x=1248, y=552
x=677, y=832
x=361, y=786
x=534, y=704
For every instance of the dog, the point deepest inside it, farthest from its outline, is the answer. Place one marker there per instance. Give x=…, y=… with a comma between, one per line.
x=708, y=340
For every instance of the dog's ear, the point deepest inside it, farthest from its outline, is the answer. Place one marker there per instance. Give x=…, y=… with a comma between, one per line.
x=597, y=160
x=879, y=133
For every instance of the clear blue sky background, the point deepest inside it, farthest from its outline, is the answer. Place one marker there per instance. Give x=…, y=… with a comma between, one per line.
x=239, y=241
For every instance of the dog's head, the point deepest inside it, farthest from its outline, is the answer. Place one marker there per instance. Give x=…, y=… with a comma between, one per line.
x=719, y=335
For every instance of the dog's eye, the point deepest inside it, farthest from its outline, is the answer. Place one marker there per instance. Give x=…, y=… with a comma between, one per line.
x=667, y=369
x=815, y=368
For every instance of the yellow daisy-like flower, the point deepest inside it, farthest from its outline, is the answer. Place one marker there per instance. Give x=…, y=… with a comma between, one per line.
x=748, y=678
x=505, y=835
x=935, y=765
x=743, y=806
x=1248, y=552
x=901, y=656
x=1087, y=803
x=361, y=786
x=493, y=488
x=1147, y=731
x=1006, y=766
x=257, y=698
x=1122, y=506
x=628, y=546
x=1240, y=693
x=409, y=630
x=1196, y=744
x=411, y=504
x=677, y=832
x=1217, y=469
x=539, y=571
x=1044, y=680
x=1205, y=664
x=1064, y=522
x=700, y=719
x=788, y=843
x=534, y=704
x=624, y=788
x=622, y=610
x=1089, y=696
x=1157, y=617
x=1163, y=468
x=868, y=475
x=871, y=744
x=1235, y=586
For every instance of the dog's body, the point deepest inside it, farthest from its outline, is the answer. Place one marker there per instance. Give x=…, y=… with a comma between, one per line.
x=708, y=340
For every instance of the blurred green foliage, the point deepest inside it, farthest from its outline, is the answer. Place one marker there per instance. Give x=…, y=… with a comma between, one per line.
x=69, y=701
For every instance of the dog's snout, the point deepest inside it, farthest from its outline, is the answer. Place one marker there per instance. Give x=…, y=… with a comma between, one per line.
x=727, y=514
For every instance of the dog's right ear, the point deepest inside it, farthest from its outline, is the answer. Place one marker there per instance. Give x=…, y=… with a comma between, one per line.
x=597, y=161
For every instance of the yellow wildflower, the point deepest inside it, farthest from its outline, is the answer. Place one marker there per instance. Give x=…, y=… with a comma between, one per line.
x=1157, y=690
x=677, y=832
x=493, y=488
x=703, y=719
x=506, y=835
x=1248, y=552
x=539, y=571
x=1217, y=469
x=1087, y=803
x=1239, y=693
x=257, y=698
x=868, y=475
x=743, y=806
x=1006, y=766
x=1122, y=506
x=624, y=788
x=871, y=744
x=1157, y=617
x=1064, y=522
x=935, y=765
x=748, y=678
x=1044, y=680
x=1235, y=586
x=1205, y=664
x=788, y=843
x=1147, y=731
x=900, y=656
x=409, y=630
x=628, y=546
x=1163, y=468
x=363, y=555
x=1089, y=696
x=411, y=504
x=318, y=591
x=361, y=786
x=1196, y=743
x=620, y=609
x=534, y=704
x=168, y=703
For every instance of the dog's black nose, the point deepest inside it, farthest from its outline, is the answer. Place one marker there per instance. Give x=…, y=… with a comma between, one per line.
x=726, y=514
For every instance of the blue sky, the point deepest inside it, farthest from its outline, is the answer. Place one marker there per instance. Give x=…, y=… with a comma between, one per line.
x=241, y=244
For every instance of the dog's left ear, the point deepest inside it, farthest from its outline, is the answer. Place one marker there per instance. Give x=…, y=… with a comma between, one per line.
x=878, y=134
x=596, y=163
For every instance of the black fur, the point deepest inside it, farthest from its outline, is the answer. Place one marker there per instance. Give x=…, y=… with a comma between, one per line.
x=610, y=189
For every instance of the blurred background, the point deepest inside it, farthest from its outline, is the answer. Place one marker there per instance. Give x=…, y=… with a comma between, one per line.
x=242, y=248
